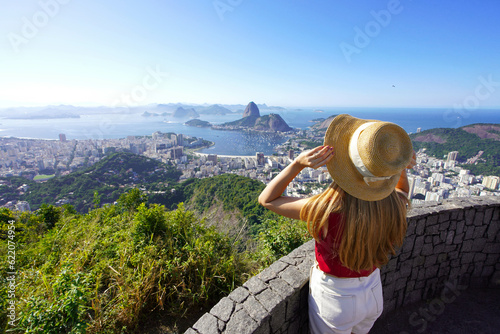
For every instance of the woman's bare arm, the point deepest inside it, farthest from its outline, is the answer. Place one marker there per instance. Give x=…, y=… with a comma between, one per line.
x=403, y=186
x=290, y=206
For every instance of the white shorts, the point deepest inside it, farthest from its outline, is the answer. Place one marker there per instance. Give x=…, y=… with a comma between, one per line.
x=343, y=305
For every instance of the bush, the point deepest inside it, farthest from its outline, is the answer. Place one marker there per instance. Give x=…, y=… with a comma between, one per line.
x=279, y=237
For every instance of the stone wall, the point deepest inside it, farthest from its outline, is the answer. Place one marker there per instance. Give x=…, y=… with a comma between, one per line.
x=448, y=246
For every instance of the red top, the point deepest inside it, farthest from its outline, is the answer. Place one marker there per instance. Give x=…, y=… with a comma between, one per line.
x=326, y=252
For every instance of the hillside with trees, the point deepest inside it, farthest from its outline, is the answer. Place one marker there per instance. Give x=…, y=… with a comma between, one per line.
x=109, y=178
x=129, y=267
x=468, y=141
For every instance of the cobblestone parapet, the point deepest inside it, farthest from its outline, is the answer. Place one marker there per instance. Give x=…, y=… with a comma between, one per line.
x=448, y=246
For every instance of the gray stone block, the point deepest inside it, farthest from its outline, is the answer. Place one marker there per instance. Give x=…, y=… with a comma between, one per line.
x=442, y=257
x=278, y=317
x=487, y=271
x=458, y=239
x=480, y=231
x=306, y=265
x=439, y=248
x=491, y=248
x=430, y=260
x=239, y=294
x=432, y=220
x=255, y=309
x=293, y=305
x=450, y=248
x=460, y=226
x=419, y=244
x=431, y=229
x=493, y=229
x=294, y=327
x=282, y=288
x=419, y=261
x=405, y=270
x=479, y=244
x=478, y=269
x=191, y=331
x=268, y=299
x=255, y=285
x=289, y=260
x=454, y=214
x=469, y=232
x=466, y=246
x=479, y=257
x=241, y=323
x=427, y=249
x=444, y=226
x=400, y=284
x=469, y=216
x=294, y=277
x=221, y=325
x=408, y=243
x=449, y=237
x=207, y=324
x=496, y=213
x=467, y=258
x=431, y=272
x=411, y=226
x=488, y=214
x=478, y=219
x=420, y=227
x=444, y=217
x=272, y=271
x=223, y=309
x=404, y=256
x=491, y=259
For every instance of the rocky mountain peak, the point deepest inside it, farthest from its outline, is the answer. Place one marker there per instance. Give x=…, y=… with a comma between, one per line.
x=251, y=110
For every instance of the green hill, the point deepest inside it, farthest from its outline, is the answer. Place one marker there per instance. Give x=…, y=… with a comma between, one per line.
x=110, y=177
x=129, y=267
x=227, y=193
x=468, y=141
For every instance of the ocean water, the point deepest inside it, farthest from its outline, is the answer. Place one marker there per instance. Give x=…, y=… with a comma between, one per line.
x=106, y=126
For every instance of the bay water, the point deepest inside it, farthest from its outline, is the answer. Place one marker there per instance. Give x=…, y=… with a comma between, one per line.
x=107, y=126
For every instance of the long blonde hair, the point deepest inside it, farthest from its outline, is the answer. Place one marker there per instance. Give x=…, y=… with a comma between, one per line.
x=371, y=230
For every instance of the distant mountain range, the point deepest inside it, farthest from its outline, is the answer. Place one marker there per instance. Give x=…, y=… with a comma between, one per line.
x=69, y=111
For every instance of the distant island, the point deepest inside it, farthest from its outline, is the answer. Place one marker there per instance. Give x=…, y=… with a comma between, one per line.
x=252, y=120
x=198, y=123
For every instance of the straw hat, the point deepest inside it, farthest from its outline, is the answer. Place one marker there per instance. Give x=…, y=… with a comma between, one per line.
x=369, y=156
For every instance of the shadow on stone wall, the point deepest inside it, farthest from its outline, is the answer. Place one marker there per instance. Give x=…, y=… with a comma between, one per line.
x=449, y=246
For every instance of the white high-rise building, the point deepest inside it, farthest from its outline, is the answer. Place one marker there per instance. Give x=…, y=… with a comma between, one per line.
x=452, y=156
x=491, y=182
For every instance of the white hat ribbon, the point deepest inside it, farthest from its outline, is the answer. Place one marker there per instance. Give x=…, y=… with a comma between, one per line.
x=356, y=158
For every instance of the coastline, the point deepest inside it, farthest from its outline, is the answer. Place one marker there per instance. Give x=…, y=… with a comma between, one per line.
x=225, y=156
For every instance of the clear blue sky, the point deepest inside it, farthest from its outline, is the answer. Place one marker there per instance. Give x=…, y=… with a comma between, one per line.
x=287, y=53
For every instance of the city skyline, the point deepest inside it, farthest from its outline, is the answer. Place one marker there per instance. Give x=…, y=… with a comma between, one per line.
x=326, y=54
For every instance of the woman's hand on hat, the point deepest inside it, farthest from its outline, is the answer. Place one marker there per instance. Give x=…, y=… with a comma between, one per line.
x=413, y=161
x=316, y=157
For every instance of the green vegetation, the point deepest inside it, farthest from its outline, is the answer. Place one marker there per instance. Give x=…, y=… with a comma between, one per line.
x=198, y=123
x=43, y=177
x=110, y=177
x=117, y=267
x=467, y=144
